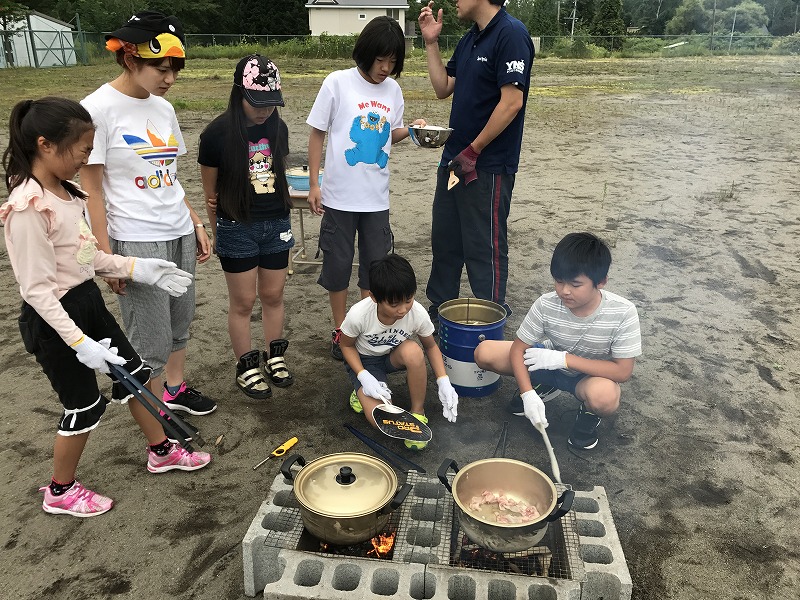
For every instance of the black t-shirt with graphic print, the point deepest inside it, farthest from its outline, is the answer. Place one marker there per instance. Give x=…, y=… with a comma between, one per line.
x=266, y=203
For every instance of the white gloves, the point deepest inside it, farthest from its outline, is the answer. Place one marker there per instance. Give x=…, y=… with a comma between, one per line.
x=163, y=274
x=534, y=408
x=95, y=355
x=542, y=358
x=374, y=388
x=448, y=397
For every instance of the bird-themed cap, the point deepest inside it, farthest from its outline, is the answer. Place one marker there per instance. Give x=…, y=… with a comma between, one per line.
x=149, y=34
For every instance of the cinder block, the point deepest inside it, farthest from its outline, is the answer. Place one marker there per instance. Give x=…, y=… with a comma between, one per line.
x=306, y=575
x=417, y=569
x=607, y=574
x=259, y=560
x=453, y=583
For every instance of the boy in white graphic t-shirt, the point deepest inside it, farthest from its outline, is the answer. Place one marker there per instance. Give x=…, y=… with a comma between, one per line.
x=377, y=340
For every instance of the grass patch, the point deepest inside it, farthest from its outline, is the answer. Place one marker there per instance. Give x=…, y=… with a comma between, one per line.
x=204, y=86
x=200, y=104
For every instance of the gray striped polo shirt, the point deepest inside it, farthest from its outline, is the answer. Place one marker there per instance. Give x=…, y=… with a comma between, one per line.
x=611, y=331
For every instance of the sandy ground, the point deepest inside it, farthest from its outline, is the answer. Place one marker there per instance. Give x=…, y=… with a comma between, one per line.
x=689, y=168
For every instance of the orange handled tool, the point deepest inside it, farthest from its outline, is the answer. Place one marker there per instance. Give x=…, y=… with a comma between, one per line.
x=279, y=451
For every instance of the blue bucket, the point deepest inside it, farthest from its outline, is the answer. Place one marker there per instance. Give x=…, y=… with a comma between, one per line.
x=298, y=179
x=463, y=324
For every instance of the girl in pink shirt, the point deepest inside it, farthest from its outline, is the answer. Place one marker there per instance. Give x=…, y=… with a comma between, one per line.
x=54, y=258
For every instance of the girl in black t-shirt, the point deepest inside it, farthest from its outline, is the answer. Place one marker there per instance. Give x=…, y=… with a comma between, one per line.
x=242, y=165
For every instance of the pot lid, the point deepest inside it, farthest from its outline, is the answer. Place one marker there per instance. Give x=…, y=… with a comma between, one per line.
x=347, y=484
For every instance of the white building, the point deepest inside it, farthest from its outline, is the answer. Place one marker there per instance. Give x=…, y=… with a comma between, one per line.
x=346, y=17
x=37, y=40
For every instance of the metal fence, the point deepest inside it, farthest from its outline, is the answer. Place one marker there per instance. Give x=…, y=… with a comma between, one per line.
x=342, y=45
x=60, y=48
x=718, y=43
x=37, y=48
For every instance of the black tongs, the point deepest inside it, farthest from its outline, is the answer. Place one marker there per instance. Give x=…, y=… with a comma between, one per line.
x=502, y=442
x=174, y=425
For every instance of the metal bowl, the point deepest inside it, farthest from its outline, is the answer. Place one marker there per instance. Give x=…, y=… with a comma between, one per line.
x=429, y=136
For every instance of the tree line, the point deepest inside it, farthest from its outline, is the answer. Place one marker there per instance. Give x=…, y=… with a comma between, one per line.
x=542, y=17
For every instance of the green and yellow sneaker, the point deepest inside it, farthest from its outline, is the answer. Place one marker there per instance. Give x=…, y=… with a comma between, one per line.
x=412, y=445
x=355, y=403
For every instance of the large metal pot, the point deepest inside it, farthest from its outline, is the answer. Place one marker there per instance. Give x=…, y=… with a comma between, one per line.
x=345, y=498
x=513, y=478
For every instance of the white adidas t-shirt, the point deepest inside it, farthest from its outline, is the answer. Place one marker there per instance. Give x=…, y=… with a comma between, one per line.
x=359, y=117
x=139, y=140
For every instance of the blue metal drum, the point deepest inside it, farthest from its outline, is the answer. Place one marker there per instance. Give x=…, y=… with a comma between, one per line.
x=463, y=324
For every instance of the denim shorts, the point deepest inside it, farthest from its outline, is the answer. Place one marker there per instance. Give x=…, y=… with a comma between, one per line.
x=236, y=239
x=377, y=366
x=557, y=379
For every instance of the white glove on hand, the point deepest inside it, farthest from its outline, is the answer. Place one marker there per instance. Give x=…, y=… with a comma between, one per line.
x=163, y=274
x=448, y=397
x=96, y=355
x=542, y=358
x=534, y=408
x=374, y=388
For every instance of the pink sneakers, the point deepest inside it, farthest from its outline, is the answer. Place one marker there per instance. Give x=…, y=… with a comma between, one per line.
x=81, y=502
x=77, y=501
x=178, y=458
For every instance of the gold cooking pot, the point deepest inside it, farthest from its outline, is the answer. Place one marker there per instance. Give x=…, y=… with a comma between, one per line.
x=345, y=498
x=513, y=478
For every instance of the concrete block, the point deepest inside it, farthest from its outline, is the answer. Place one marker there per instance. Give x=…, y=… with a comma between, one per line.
x=259, y=559
x=419, y=567
x=308, y=575
x=454, y=583
x=607, y=574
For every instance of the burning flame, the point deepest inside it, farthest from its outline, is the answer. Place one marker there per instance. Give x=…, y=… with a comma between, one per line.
x=382, y=544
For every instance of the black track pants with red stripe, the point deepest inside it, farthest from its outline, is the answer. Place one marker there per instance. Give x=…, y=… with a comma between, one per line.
x=470, y=228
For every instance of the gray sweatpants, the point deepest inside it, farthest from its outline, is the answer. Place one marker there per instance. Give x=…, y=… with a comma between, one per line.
x=156, y=323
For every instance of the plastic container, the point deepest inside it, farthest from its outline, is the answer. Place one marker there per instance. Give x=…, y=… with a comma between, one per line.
x=298, y=178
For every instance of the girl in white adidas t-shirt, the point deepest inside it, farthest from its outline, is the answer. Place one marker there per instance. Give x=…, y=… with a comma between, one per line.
x=136, y=203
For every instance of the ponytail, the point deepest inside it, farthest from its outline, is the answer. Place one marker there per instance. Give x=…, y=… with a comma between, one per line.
x=58, y=120
x=18, y=157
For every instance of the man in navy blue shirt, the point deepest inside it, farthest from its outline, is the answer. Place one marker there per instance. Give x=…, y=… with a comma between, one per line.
x=488, y=76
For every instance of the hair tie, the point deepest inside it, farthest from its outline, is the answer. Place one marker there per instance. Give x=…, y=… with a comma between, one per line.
x=24, y=108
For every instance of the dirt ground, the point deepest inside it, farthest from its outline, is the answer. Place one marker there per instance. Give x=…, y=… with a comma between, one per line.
x=687, y=167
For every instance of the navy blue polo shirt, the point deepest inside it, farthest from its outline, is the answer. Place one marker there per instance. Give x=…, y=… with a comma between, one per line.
x=483, y=62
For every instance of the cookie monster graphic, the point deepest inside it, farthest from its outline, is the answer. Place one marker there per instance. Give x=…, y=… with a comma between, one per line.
x=370, y=133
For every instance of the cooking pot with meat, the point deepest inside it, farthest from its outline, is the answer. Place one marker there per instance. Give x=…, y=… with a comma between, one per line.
x=345, y=498
x=504, y=505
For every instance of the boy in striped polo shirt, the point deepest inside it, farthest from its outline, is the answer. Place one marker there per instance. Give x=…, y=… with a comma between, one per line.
x=580, y=339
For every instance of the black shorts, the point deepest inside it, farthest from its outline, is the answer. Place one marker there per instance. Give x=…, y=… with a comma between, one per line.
x=270, y=262
x=74, y=382
x=377, y=366
x=337, y=237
